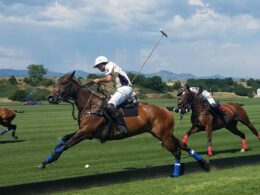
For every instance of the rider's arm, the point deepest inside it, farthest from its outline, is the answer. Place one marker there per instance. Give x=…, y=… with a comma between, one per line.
x=206, y=94
x=106, y=78
x=109, y=72
x=194, y=90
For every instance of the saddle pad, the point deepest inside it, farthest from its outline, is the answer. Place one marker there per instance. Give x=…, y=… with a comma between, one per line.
x=130, y=111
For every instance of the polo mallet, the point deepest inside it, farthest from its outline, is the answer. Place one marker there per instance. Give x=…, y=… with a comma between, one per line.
x=163, y=34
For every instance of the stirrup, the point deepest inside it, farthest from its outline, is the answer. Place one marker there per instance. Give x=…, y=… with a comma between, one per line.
x=121, y=130
x=226, y=120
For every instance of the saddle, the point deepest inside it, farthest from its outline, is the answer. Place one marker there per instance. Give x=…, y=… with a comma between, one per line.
x=129, y=108
x=206, y=108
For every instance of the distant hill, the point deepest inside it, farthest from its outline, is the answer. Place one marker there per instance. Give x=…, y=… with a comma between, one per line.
x=165, y=75
x=23, y=73
x=11, y=72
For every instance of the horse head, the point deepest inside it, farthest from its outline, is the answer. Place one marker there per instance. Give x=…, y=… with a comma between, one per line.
x=66, y=89
x=185, y=98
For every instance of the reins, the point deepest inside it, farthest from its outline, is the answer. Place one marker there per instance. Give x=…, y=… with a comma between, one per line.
x=83, y=111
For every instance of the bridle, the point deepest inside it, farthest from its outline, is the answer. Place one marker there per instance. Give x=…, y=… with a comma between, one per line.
x=66, y=94
x=185, y=103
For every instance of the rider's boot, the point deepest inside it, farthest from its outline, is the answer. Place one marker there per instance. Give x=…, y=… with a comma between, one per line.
x=120, y=123
x=220, y=112
x=118, y=118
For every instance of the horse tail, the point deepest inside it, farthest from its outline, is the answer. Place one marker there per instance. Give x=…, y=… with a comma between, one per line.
x=19, y=111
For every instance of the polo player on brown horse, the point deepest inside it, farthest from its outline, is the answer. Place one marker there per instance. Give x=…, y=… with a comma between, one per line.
x=93, y=120
x=205, y=118
x=6, y=118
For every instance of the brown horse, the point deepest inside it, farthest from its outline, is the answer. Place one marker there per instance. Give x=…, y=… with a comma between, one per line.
x=92, y=122
x=6, y=118
x=204, y=119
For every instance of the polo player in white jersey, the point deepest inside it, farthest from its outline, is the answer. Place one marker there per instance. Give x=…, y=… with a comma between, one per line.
x=123, y=88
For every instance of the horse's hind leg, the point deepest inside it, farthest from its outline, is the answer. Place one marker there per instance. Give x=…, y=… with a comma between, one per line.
x=243, y=118
x=172, y=145
x=247, y=123
x=233, y=129
x=14, y=131
x=175, y=146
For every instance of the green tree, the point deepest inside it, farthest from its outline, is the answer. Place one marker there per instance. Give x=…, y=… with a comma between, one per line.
x=19, y=95
x=12, y=80
x=92, y=76
x=154, y=83
x=176, y=85
x=36, y=71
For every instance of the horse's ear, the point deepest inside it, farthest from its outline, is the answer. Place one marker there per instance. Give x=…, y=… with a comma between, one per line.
x=72, y=74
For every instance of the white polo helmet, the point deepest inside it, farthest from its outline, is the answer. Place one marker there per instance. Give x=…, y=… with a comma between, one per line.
x=100, y=60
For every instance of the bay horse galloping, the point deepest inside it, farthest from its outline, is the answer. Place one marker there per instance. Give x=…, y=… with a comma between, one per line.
x=204, y=119
x=93, y=122
x=6, y=118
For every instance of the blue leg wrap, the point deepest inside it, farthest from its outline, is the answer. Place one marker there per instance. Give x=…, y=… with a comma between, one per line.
x=4, y=131
x=195, y=155
x=54, y=156
x=59, y=150
x=177, y=169
x=49, y=159
x=60, y=143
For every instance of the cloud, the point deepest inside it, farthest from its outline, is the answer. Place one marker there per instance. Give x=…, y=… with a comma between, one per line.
x=13, y=57
x=206, y=23
x=62, y=34
x=196, y=2
x=112, y=14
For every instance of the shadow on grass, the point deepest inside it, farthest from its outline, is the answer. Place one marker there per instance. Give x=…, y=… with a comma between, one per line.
x=134, y=168
x=215, y=152
x=12, y=141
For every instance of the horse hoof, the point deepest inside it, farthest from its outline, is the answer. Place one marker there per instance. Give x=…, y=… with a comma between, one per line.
x=41, y=166
x=243, y=150
x=204, y=164
x=15, y=137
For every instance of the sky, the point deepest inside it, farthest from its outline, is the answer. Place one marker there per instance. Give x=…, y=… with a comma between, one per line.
x=205, y=37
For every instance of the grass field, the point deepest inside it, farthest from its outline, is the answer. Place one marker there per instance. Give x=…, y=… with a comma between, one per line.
x=225, y=182
x=40, y=127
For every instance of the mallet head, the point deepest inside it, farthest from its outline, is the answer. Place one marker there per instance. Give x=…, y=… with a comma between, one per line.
x=163, y=33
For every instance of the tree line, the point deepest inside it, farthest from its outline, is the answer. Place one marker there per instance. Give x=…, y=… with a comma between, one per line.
x=242, y=87
x=38, y=84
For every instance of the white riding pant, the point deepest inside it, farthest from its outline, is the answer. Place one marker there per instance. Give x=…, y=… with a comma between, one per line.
x=208, y=96
x=122, y=93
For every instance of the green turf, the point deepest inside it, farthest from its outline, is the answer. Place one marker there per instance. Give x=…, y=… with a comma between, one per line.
x=240, y=180
x=41, y=126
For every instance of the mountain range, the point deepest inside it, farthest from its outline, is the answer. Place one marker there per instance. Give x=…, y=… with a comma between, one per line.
x=165, y=75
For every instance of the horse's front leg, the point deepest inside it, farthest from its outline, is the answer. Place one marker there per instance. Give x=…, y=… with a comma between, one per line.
x=9, y=127
x=64, y=139
x=186, y=136
x=60, y=148
x=209, y=139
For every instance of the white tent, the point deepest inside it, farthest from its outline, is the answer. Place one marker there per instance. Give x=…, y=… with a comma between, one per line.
x=258, y=92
